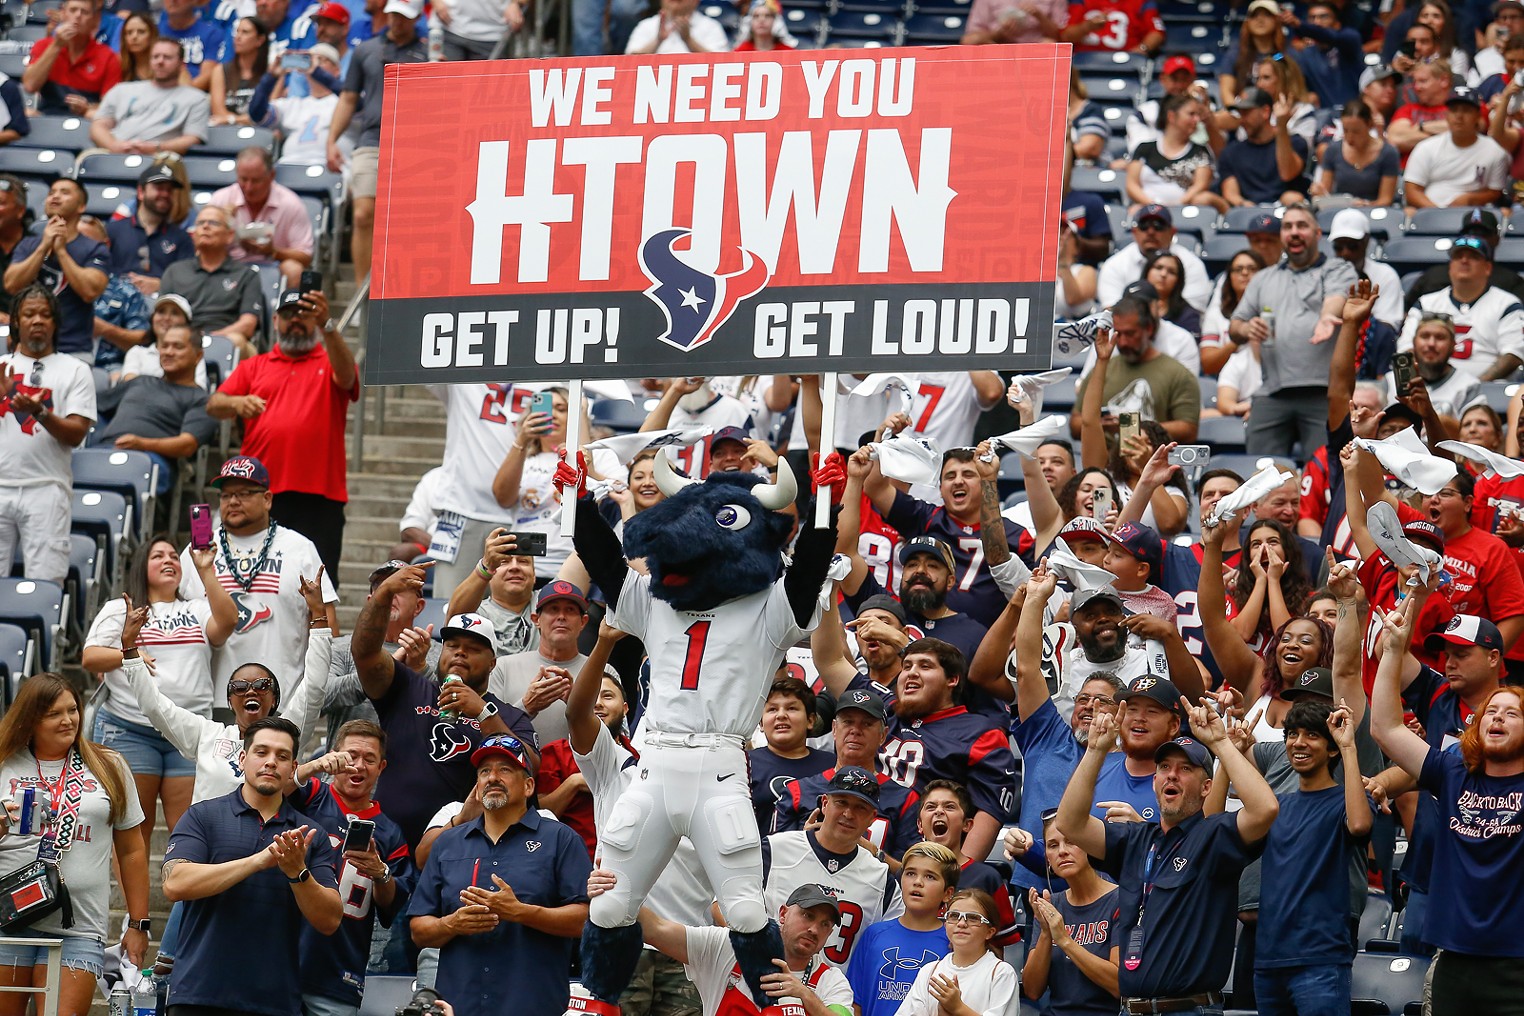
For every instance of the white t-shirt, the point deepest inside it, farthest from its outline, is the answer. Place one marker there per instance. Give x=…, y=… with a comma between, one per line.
x=143, y=361
x=1446, y=171
x=856, y=415
x=1484, y=330
x=713, y=970
x=1243, y=372
x=704, y=30
x=946, y=408
x=1066, y=668
x=29, y=455
x=479, y=430
x=989, y=987
x=175, y=636
x=722, y=412
x=752, y=396
x=272, y=615
x=304, y=122
x=86, y=865
x=1126, y=267
x=422, y=510
x=539, y=506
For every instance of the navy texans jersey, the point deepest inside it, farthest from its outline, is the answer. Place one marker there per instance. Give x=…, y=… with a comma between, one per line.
x=974, y=591
x=894, y=829
x=954, y=744
x=770, y=773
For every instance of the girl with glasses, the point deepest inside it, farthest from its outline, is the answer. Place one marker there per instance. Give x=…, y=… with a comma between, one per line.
x=972, y=980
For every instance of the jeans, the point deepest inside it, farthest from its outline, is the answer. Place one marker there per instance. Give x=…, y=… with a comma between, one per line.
x=1320, y=990
x=587, y=24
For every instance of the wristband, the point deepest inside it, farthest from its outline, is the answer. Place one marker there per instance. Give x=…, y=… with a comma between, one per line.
x=304, y=875
x=481, y=569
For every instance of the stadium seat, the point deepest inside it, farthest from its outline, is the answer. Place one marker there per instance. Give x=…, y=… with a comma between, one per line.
x=1237, y=219
x=17, y=650
x=220, y=356
x=1385, y=222
x=434, y=612
x=867, y=25
x=26, y=35
x=933, y=29
x=1437, y=221
x=1196, y=220
x=1192, y=39
x=1247, y=465
x=1414, y=253
x=1108, y=183
x=39, y=607
x=1224, y=433
x=1509, y=251
x=105, y=166
x=13, y=65
x=1178, y=12
x=385, y=994
x=102, y=516
x=130, y=474
x=1096, y=62
x=210, y=172
x=1376, y=919
x=103, y=199
x=804, y=23
x=66, y=133
x=231, y=139
x=1059, y=397
x=618, y=415
x=1208, y=386
x=314, y=180
x=1114, y=91
x=37, y=13
x=84, y=581
x=1217, y=251
x=1498, y=395
x=1385, y=985
x=38, y=163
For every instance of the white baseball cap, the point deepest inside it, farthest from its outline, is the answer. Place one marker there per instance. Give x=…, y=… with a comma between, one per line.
x=1350, y=224
x=326, y=52
x=407, y=8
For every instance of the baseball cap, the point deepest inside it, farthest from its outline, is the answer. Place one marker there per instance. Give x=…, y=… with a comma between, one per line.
x=1194, y=751
x=1255, y=97
x=288, y=302
x=1464, y=94
x=1474, y=244
x=1350, y=224
x=1263, y=223
x=1100, y=594
x=158, y=173
x=863, y=700
x=1312, y=681
x=1155, y=212
x=886, y=603
x=728, y=434
x=332, y=11
x=407, y=8
x=1265, y=5
x=1161, y=689
x=927, y=545
x=812, y=895
x=1179, y=62
x=854, y=781
x=1480, y=222
x=1423, y=529
x=1142, y=543
x=1399, y=411
x=505, y=745
x=1082, y=527
x=1142, y=289
x=561, y=590
x=470, y=624
x=1502, y=5
x=1466, y=630
x=1375, y=73
x=243, y=467
x=178, y=301
x=391, y=567
x=325, y=51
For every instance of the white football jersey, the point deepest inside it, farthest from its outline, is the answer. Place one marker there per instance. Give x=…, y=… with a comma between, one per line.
x=710, y=669
x=945, y=408
x=1484, y=330
x=479, y=430
x=861, y=887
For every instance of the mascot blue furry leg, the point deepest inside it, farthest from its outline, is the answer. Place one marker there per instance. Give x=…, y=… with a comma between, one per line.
x=717, y=603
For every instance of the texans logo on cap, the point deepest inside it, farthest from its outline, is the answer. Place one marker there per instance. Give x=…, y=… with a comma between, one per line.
x=1308, y=676
x=1455, y=623
x=241, y=467
x=1144, y=683
x=468, y=621
x=857, y=698
x=1184, y=742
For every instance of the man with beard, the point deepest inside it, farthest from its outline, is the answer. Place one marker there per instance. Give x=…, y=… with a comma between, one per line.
x=1478, y=840
x=1139, y=377
x=1178, y=875
x=1489, y=320
x=930, y=738
x=47, y=405
x=432, y=721
x=928, y=573
x=293, y=401
x=147, y=242
x=229, y=891
x=503, y=897
x=1450, y=391
x=880, y=632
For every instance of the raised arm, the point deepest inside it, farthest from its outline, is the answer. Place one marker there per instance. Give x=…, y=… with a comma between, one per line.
x=1349, y=632
x=1239, y=664
x=496, y=548
x=1075, y=821
x=987, y=669
x=813, y=551
x=1031, y=682
x=1092, y=433
x=1357, y=814
x=1259, y=804
x=373, y=664
x=600, y=550
x=581, y=723
x=1399, y=743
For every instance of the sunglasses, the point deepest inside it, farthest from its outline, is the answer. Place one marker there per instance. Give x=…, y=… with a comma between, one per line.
x=1436, y=315
x=964, y=917
x=35, y=377
x=239, y=687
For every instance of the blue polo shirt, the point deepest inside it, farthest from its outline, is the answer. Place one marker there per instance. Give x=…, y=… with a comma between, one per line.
x=76, y=318
x=1049, y=754
x=134, y=249
x=333, y=966
x=254, y=925
x=437, y=751
x=546, y=865
x=1188, y=928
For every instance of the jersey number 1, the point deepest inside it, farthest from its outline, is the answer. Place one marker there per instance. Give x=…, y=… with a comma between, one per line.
x=698, y=635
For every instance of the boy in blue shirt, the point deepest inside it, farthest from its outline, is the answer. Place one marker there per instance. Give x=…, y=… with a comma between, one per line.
x=890, y=953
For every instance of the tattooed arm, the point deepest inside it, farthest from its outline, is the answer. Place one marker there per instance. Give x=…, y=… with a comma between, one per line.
x=373, y=664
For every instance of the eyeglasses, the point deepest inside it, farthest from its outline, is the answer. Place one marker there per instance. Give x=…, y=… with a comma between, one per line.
x=964, y=917
x=1244, y=269
x=242, y=495
x=239, y=687
x=1100, y=700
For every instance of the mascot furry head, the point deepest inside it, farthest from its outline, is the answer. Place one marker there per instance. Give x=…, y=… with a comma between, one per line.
x=712, y=540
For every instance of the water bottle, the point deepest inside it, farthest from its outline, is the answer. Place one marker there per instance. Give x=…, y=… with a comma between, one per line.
x=145, y=998
x=450, y=714
x=1268, y=317
x=120, y=1002
x=436, y=40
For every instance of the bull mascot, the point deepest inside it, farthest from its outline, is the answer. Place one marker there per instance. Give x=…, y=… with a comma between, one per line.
x=716, y=614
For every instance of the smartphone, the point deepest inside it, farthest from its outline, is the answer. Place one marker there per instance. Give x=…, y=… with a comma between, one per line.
x=1409, y=49
x=359, y=834
x=296, y=61
x=311, y=281
x=1404, y=370
x=1127, y=427
x=532, y=544
x=1100, y=505
x=1193, y=456
x=543, y=402
x=201, y=526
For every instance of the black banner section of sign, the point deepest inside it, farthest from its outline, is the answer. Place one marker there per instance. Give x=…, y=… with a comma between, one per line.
x=792, y=330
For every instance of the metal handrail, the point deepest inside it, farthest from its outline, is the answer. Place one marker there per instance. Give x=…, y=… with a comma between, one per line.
x=51, y=986
x=352, y=310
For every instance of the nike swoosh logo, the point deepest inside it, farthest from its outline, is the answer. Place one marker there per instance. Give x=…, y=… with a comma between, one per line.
x=727, y=776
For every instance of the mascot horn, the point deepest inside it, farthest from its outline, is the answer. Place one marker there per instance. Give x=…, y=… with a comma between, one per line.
x=718, y=609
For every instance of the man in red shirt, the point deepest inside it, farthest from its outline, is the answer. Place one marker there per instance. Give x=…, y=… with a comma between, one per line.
x=69, y=68
x=1112, y=25
x=293, y=401
x=1425, y=117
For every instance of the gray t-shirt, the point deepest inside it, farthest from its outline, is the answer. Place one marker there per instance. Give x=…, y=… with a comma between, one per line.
x=516, y=633
x=86, y=865
x=511, y=678
x=142, y=111
x=1296, y=300
x=152, y=407
x=364, y=78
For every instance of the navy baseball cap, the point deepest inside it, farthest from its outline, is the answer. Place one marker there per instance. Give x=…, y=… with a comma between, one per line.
x=1313, y=681
x=1466, y=630
x=1153, y=213
x=927, y=545
x=728, y=434
x=886, y=603
x=863, y=700
x=1253, y=98
x=1474, y=244
x=158, y=172
x=1480, y=222
x=1423, y=529
x=1265, y=223
x=504, y=745
x=854, y=781
x=1194, y=751
x=289, y=302
x=1142, y=543
x=1160, y=689
x=1461, y=95
x=243, y=467
x=561, y=590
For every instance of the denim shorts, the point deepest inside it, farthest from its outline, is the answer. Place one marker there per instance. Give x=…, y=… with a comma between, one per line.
x=80, y=952
x=145, y=749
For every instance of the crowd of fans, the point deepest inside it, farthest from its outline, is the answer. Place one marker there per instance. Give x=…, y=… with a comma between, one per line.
x=1085, y=722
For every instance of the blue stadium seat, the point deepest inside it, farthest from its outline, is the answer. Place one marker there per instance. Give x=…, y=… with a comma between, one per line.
x=1217, y=251
x=84, y=581
x=1192, y=39
x=65, y=133
x=103, y=199
x=1117, y=91
x=39, y=607
x=1510, y=251
x=1247, y=465
x=210, y=172
x=1498, y=394
x=434, y=612
x=1438, y=221
x=1224, y=433
x=230, y=139
x=220, y=356
x=933, y=29
x=1060, y=396
x=119, y=168
x=37, y=13
x=102, y=516
x=1382, y=983
x=1175, y=12
x=26, y=35
x=13, y=65
x=1108, y=183
x=1208, y=387
x=38, y=163
x=617, y=414
x=130, y=474
x=804, y=23
x=866, y=25
x=958, y=7
x=314, y=180
x=1385, y=222
x=1237, y=219
x=17, y=652
x=1097, y=62
x=1409, y=253
x=1196, y=220
x=1375, y=919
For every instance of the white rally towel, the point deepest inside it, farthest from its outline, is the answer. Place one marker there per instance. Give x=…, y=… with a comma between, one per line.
x=1077, y=336
x=1501, y=465
x=877, y=384
x=1250, y=491
x=1027, y=439
x=1406, y=457
x=841, y=567
x=626, y=446
x=1029, y=387
x=909, y=458
x=1079, y=574
x=1386, y=530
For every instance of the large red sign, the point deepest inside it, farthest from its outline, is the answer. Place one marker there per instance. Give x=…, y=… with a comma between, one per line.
x=717, y=213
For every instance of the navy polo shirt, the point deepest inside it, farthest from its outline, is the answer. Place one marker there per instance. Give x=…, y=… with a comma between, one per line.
x=76, y=318
x=216, y=935
x=546, y=865
x=434, y=754
x=134, y=249
x=1188, y=928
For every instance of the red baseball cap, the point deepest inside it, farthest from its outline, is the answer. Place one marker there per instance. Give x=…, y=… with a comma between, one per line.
x=332, y=11
x=1179, y=62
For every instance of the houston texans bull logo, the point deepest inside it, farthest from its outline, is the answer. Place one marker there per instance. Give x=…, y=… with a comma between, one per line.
x=695, y=303
x=447, y=741
x=251, y=613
